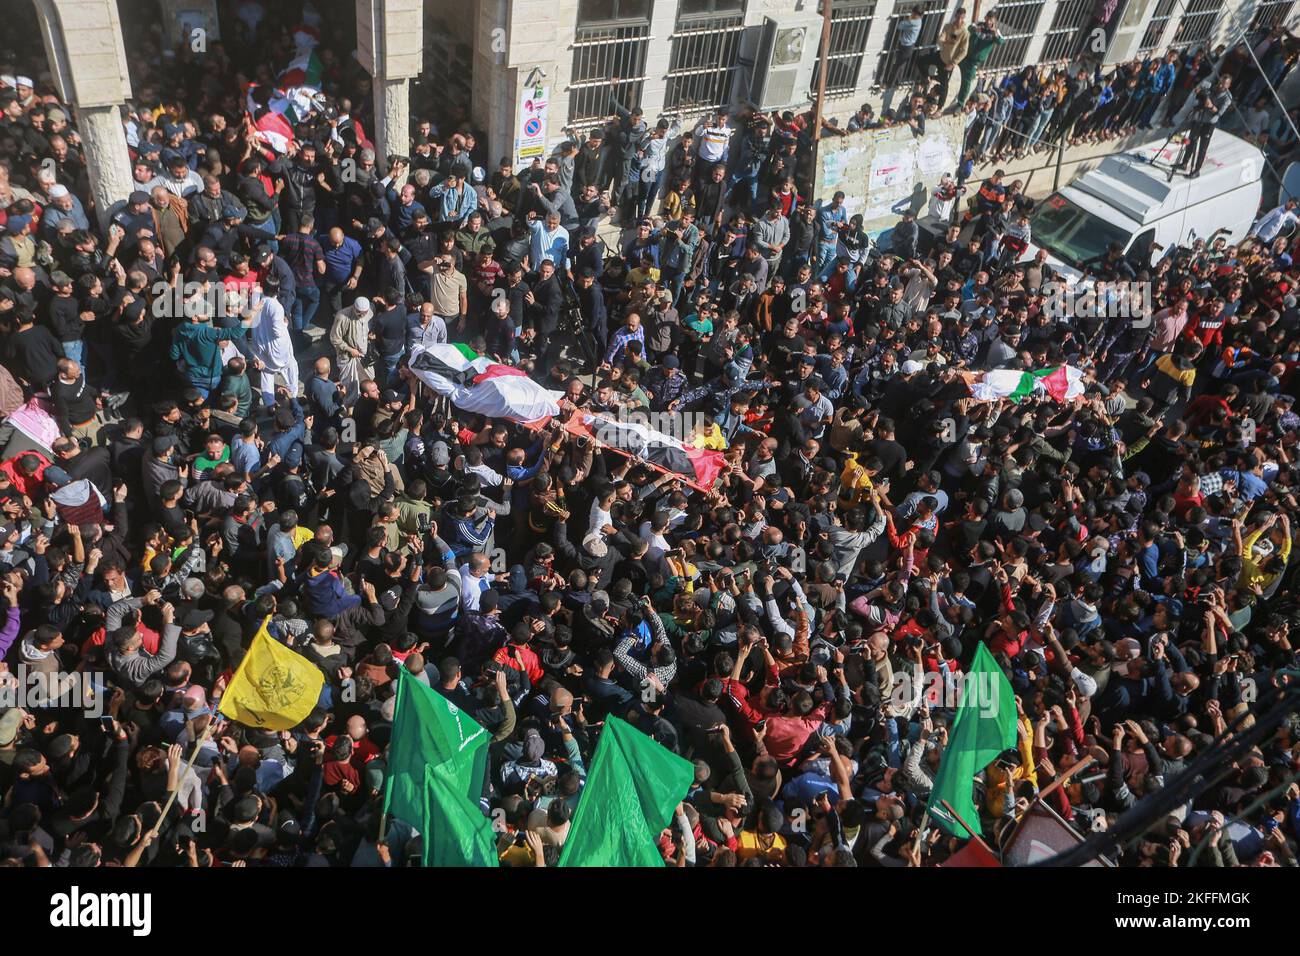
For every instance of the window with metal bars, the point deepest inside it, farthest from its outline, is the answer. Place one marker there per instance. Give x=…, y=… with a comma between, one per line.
x=850, y=28
x=702, y=63
x=1197, y=25
x=1066, y=35
x=1271, y=13
x=1156, y=27
x=1016, y=22
x=934, y=14
x=602, y=52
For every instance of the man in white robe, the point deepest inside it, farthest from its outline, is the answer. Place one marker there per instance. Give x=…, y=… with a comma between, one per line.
x=272, y=349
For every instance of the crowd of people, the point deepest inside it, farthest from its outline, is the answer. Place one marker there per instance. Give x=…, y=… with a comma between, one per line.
x=1037, y=108
x=210, y=426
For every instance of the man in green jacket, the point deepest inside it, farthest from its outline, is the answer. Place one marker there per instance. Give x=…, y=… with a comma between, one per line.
x=984, y=36
x=196, y=346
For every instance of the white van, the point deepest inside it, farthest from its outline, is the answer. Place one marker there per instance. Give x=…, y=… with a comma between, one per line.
x=1130, y=200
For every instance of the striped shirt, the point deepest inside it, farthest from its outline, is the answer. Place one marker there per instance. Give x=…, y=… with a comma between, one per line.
x=301, y=252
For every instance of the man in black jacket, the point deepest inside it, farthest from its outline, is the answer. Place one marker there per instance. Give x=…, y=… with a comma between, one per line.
x=35, y=350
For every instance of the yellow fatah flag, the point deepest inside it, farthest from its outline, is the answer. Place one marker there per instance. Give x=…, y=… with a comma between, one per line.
x=274, y=687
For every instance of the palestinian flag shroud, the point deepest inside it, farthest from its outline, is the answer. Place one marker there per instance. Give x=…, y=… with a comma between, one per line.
x=699, y=467
x=1061, y=383
x=456, y=362
x=477, y=384
x=274, y=131
x=306, y=68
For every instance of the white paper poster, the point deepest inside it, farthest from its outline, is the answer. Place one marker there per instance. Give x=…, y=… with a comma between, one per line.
x=530, y=139
x=935, y=157
x=891, y=171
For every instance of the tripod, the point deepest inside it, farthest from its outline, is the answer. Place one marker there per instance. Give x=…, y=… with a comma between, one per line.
x=1182, y=158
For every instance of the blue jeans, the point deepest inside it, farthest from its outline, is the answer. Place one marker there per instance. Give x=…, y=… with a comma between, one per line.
x=645, y=197
x=826, y=259
x=390, y=366
x=305, y=304
x=1036, y=131
x=75, y=350
x=206, y=387
x=268, y=227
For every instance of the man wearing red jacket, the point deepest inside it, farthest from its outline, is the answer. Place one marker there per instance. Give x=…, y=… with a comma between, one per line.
x=1207, y=325
x=27, y=472
x=518, y=656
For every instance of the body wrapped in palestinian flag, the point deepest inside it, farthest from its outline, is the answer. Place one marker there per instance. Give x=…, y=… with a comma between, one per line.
x=698, y=467
x=1061, y=382
x=477, y=384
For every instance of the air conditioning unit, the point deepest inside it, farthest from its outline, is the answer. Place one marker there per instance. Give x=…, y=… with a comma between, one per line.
x=781, y=69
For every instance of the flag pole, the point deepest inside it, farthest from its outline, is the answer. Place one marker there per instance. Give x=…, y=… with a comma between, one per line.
x=973, y=835
x=920, y=835
x=388, y=777
x=171, y=797
x=1064, y=778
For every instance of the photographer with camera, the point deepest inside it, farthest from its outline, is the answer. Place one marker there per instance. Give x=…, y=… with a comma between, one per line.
x=1211, y=104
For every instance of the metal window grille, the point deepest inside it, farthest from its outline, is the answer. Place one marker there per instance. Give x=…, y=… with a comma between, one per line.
x=1271, y=13
x=850, y=28
x=599, y=54
x=1156, y=26
x=1016, y=21
x=1197, y=25
x=1066, y=35
x=702, y=63
x=934, y=13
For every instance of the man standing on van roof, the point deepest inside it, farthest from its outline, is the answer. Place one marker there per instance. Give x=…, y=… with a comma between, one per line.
x=1269, y=225
x=1211, y=104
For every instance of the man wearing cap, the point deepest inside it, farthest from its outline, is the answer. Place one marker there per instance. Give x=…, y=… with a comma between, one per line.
x=133, y=217
x=63, y=207
x=350, y=338
x=589, y=162
x=177, y=177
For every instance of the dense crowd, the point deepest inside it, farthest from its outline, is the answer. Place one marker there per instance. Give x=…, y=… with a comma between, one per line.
x=209, y=423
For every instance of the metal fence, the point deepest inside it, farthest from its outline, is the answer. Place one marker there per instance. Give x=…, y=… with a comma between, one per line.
x=599, y=54
x=1016, y=22
x=702, y=63
x=1271, y=13
x=1197, y=25
x=1156, y=27
x=1066, y=35
x=934, y=13
x=850, y=28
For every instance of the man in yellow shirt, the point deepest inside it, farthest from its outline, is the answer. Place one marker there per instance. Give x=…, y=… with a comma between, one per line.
x=856, y=479
x=1264, y=564
x=765, y=840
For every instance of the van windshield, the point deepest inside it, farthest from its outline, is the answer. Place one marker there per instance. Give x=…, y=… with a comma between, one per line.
x=1071, y=234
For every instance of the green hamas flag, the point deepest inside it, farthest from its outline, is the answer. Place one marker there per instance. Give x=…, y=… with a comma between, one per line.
x=985, y=726
x=634, y=786
x=437, y=758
